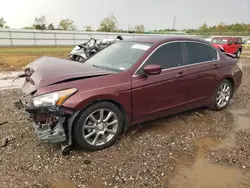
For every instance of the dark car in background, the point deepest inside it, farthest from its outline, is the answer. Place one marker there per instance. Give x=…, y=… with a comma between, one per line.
x=129, y=82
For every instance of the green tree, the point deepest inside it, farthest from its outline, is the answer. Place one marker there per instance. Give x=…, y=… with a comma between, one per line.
x=28, y=27
x=3, y=23
x=139, y=28
x=67, y=24
x=222, y=27
x=51, y=27
x=248, y=27
x=237, y=27
x=40, y=23
x=204, y=28
x=88, y=28
x=108, y=24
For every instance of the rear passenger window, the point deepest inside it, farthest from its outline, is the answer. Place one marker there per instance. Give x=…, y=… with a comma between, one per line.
x=168, y=56
x=198, y=53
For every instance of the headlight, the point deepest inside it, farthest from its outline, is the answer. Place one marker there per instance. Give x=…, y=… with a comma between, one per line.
x=52, y=99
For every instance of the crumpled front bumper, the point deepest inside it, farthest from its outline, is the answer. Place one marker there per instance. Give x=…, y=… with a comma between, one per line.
x=51, y=129
x=48, y=135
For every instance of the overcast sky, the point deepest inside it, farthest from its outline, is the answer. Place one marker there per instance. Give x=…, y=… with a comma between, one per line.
x=153, y=14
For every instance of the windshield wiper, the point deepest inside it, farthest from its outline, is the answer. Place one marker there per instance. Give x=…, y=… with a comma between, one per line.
x=107, y=68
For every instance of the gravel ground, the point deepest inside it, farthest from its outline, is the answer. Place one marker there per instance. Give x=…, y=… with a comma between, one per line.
x=154, y=154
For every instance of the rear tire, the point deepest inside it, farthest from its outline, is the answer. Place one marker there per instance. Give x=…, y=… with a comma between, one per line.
x=222, y=95
x=98, y=126
x=238, y=53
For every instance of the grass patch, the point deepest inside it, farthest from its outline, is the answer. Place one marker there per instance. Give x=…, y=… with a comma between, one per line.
x=35, y=50
x=17, y=58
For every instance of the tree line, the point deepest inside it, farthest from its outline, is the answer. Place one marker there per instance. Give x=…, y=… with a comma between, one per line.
x=222, y=28
x=110, y=24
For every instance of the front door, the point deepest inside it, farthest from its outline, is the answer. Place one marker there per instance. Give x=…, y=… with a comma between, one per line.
x=158, y=95
x=231, y=48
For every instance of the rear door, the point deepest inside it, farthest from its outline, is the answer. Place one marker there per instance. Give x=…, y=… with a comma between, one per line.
x=158, y=95
x=202, y=65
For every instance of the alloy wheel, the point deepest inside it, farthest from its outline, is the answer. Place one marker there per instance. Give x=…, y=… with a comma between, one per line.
x=223, y=95
x=100, y=127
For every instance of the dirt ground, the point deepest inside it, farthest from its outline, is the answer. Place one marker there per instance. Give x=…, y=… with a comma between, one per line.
x=196, y=149
x=17, y=58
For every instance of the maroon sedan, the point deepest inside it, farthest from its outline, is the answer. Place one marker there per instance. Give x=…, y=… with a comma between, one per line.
x=129, y=82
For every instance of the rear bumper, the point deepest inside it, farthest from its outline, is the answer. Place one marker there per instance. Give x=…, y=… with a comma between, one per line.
x=49, y=123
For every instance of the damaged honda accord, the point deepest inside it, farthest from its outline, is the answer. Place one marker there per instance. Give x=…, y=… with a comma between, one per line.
x=129, y=82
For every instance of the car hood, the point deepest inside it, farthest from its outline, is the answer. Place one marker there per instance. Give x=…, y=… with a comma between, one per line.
x=219, y=46
x=47, y=71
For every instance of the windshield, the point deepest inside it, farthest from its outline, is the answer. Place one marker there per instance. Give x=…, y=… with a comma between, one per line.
x=119, y=56
x=219, y=41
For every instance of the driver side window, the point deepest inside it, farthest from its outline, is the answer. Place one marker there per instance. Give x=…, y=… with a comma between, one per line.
x=167, y=56
x=230, y=42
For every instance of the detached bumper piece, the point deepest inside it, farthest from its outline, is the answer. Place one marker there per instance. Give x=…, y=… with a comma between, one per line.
x=47, y=134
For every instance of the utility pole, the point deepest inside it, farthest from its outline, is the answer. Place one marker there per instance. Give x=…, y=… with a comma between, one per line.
x=174, y=23
x=128, y=27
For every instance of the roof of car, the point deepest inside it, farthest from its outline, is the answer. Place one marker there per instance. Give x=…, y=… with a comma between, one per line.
x=159, y=39
x=226, y=37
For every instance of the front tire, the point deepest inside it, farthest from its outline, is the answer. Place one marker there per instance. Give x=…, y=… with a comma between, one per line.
x=80, y=59
x=98, y=126
x=222, y=95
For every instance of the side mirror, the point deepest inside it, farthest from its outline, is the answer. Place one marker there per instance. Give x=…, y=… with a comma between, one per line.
x=152, y=69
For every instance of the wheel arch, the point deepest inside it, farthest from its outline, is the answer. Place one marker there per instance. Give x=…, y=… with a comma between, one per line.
x=76, y=116
x=230, y=79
